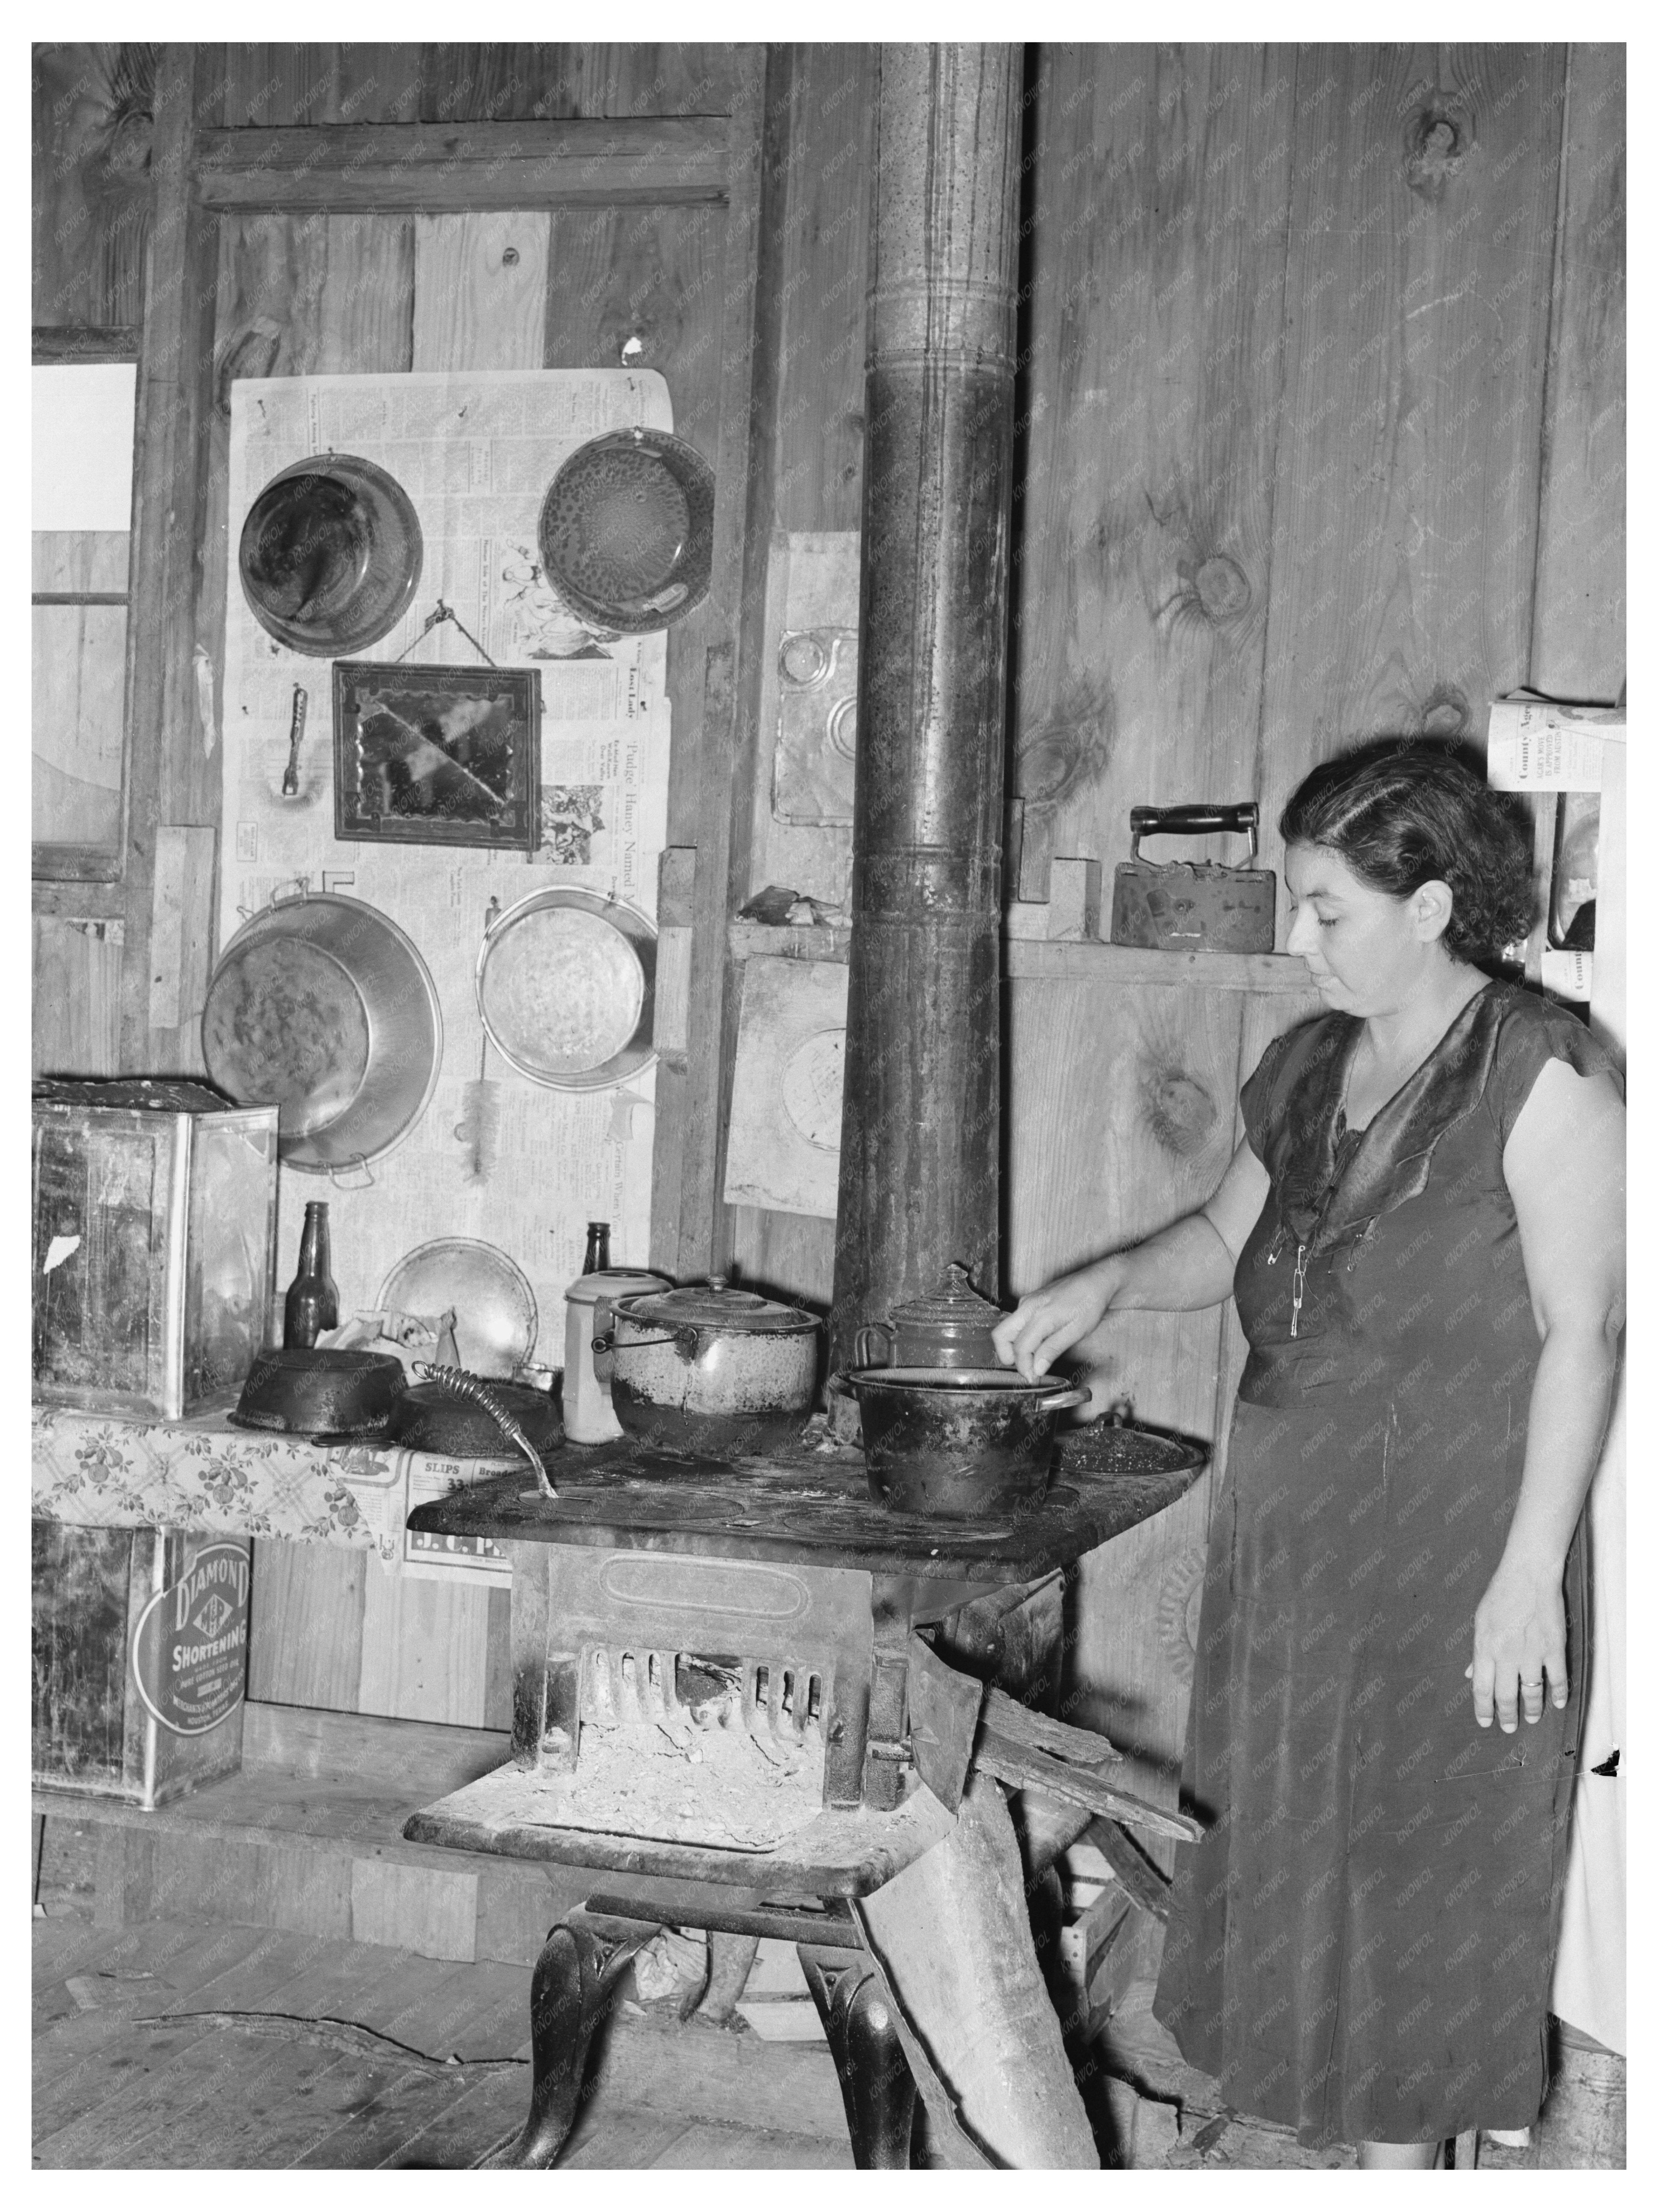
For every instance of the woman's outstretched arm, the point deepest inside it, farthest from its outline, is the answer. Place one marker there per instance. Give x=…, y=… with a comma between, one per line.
x=1187, y=1265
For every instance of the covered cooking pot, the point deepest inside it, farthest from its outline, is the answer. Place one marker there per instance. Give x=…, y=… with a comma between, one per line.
x=709, y=1370
x=956, y=1443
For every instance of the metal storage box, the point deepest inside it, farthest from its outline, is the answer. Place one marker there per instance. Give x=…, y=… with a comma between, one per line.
x=155, y=1208
x=140, y=1660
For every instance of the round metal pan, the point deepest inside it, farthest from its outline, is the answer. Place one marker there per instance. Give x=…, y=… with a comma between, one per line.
x=330, y=555
x=626, y=530
x=322, y=1007
x=496, y=1314
x=566, y=986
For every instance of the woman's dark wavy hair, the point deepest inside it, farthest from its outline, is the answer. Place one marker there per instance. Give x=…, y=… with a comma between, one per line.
x=1403, y=811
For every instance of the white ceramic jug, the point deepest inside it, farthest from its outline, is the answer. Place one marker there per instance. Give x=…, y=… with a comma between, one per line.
x=588, y=1418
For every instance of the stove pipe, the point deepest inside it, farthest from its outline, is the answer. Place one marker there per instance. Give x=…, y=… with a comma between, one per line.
x=920, y=1120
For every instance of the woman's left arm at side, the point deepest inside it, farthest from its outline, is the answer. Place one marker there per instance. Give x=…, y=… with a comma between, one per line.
x=1563, y=1165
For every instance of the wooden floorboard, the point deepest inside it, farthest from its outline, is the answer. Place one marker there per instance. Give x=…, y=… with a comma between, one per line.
x=432, y=2072
x=708, y=2145
x=113, y=2091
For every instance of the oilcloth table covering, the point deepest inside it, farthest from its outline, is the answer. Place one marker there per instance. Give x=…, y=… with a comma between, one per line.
x=95, y=1471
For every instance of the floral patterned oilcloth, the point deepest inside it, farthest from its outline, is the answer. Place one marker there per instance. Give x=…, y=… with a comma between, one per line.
x=96, y=1471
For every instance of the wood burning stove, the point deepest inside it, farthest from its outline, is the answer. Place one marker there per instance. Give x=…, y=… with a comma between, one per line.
x=745, y=1629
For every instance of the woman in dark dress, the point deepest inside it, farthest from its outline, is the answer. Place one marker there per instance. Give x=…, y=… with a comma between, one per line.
x=1423, y=1228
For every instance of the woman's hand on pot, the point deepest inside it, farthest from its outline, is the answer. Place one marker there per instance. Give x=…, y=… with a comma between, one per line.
x=1050, y=1321
x=1519, y=1639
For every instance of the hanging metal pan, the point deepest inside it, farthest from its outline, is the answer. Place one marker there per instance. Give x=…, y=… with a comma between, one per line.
x=565, y=988
x=626, y=530
x=322, y=1007
x=493, y=1305
x=331, y=554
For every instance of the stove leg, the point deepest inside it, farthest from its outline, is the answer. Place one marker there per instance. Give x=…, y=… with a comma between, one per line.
x=877, y=2086
x=570, y=1992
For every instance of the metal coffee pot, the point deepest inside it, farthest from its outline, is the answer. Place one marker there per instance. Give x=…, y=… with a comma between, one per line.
x=951, y=1329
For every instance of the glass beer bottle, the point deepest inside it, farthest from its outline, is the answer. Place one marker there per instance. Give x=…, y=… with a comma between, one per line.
x=312, y=1304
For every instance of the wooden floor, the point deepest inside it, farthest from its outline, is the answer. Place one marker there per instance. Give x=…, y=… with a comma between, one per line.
x=174, y=2045
x=350, y=2055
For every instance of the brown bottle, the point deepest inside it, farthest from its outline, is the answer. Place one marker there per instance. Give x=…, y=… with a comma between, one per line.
x=598, y=1247
x=312, y=1304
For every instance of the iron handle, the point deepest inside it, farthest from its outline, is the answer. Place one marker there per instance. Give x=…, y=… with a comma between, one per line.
x=1064, y=1403
x=871, y=1331
x=686, y=1341
x=1204, y=818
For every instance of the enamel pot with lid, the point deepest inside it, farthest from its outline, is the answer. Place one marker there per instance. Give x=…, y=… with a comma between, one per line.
x=950, y=1328
x=709, y=1370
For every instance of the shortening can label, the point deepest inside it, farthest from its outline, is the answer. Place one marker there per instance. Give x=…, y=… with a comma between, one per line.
x=190, y=1648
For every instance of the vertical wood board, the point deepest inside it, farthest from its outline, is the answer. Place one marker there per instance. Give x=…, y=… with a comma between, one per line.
x=425, y=1649
x=181, y=934
x=92, y=137
x=305, y=1637
x=480, y=290
x=167, y=781
x=76, y=1029
x=819, y=230
x=1161, y=181
x=1578, y=649
x=1417, y=299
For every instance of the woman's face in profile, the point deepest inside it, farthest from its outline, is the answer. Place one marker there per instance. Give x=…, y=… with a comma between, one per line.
x=1364, y=948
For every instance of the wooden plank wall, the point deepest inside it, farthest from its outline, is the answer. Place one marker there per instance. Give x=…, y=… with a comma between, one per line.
x=1288, y=313
x=1323, y=435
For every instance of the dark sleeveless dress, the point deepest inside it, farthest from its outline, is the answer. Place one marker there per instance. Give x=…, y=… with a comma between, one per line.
x=1360, y=1946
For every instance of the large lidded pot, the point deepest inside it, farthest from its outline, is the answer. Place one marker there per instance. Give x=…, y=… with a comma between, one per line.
x=711, y=1372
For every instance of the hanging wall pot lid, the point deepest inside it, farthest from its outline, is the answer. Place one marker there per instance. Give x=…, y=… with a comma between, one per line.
x=566, y=988
x=626, y=532
x=331, y=555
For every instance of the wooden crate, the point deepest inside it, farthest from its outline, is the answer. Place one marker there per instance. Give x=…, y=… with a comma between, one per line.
x=140, y=1660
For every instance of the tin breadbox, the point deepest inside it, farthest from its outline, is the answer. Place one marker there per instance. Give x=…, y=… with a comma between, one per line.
x=140, y=1660
x=155, y=1212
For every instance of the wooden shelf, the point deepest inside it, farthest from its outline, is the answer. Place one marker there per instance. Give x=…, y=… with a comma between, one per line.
x=1084, y=960
x=1058, y=959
